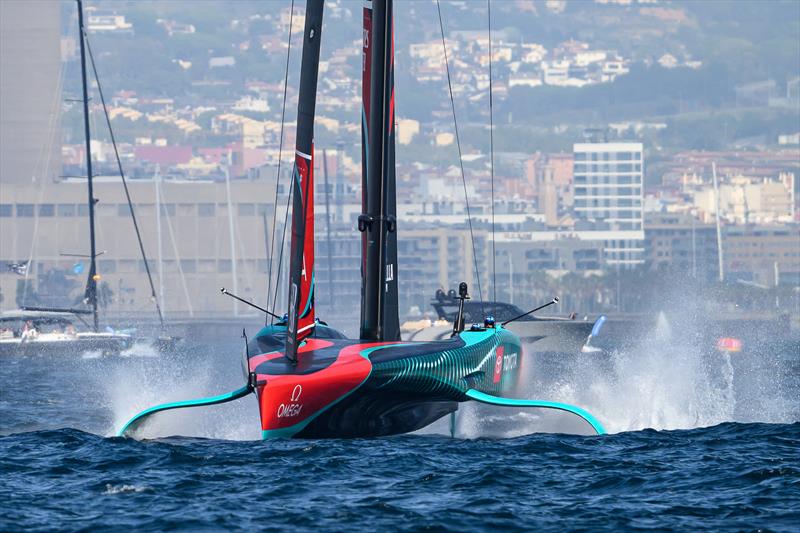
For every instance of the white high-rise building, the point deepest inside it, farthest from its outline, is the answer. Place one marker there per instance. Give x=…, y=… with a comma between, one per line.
x=608, y=179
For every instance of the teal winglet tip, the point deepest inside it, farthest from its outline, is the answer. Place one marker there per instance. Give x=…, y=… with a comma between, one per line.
x=482, y=397
x=199, y=402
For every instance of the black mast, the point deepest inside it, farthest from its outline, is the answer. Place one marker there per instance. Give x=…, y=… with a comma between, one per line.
x=91, y=283
x=301, y=275
x=380, y=319
x=391, y=318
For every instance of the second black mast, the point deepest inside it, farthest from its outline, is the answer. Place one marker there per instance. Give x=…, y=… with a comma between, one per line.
x=378, y=223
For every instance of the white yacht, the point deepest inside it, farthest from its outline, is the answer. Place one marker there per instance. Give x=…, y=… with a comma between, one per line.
x=56, y=332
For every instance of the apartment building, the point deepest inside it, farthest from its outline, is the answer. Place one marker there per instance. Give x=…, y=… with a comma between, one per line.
x=608, y=180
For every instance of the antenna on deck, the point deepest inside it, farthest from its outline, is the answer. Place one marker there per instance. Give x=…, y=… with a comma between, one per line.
x=551, y=302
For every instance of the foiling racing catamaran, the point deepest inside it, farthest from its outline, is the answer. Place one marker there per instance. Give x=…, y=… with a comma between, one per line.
x=311, y=381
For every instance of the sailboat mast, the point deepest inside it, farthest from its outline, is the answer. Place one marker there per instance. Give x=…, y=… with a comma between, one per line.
x=720, y=258
x=91, y=283
x=301, y=319
x=379, y=317
x=157, y=181
x=328, y=243
x=232, y=238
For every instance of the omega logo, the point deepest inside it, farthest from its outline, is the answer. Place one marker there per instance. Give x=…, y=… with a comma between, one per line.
x=293, y=408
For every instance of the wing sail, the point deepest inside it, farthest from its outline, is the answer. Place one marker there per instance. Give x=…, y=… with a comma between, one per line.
x=301, y=291
x=301, y=267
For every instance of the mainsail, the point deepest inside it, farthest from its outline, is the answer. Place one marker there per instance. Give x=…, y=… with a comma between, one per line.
x=366, y=71
x=301, y=319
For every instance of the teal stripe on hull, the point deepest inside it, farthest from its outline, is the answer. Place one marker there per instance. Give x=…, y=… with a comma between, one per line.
x=444, y=373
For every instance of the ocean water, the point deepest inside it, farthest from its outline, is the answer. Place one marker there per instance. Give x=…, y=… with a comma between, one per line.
x=694, y=444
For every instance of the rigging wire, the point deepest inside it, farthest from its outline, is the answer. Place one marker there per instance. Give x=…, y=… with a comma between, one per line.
x=491, y=153
x=461, y=160
x=278, y=174
x=280, y=254
x=125, y=184
x=44, y=149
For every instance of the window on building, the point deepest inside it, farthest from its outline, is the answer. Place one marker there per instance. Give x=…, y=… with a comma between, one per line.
x=187, y=210
x=6, y=210
x=24, y=210
x=105, y=210
x=168, y=210
x=206, y=210
x=246, y=210
x=127, y=265
x=107, y=266
x=224, y=265
x=66, y=210
x=123, y=210
x=189, y=266
x=83, y=210
x=47, y=210
x=206, y=266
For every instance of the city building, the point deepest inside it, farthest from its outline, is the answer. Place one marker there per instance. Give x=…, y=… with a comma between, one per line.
x=30, y=90
x=766, y=255
x=679, y=242
x=747, y=200
x=608, y=180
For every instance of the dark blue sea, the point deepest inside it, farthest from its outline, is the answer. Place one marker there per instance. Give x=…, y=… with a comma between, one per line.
x=691, y=448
